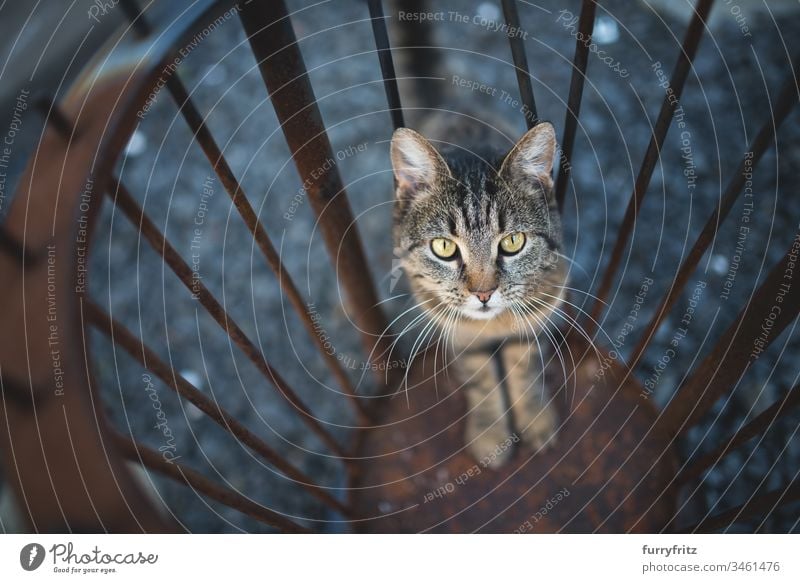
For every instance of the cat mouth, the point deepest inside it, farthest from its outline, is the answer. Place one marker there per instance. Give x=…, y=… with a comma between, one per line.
x=482, y=313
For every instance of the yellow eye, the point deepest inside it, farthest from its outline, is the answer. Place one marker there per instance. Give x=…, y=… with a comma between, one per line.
x=512, y=243
x=444, y=248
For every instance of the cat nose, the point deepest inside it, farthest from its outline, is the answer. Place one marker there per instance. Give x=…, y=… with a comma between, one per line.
x=484, y=296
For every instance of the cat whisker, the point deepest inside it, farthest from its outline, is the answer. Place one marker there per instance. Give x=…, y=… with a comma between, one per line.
x=435, y=344
x=455, y=320
x=569, y=380
x=566, y=317
x=544, y=365
x=542, y=323
x=416, y=321
x=392, y=323
x=442, y=342
x=521, y=323
x=383, y=334
x=541, y=377
x=580, y=291
x=415, y=349
x=572, y=323
x=572, y=262
x=380, y=303
x=582, y=311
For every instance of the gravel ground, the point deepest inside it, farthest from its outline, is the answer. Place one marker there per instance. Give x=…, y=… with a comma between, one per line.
x=726, y=100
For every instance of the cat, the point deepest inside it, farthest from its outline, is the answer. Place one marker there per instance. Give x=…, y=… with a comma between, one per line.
x=478, y=233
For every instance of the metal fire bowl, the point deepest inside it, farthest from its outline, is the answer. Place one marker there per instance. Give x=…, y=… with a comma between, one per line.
x=607, y=472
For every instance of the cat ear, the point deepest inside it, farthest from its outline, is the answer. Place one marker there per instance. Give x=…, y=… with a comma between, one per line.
x=531, y=159
x=415, y=162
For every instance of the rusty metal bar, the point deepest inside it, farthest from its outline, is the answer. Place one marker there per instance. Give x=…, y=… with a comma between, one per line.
x=754, y=507
x=20, y=395
x=758, y=426
x=387, y=63
x=275, y=48
x=579, y=63
x=774, y=305
x=55, y=117
x=136, y=17
x=677, y=81
x=219, y=163
x=520, y=63
x=147, y=357
x=783, y=106
x=67, y=478
x=232, y=186
x=12, y=247
x=180, y=473
x=123, y=199
x=416, y=56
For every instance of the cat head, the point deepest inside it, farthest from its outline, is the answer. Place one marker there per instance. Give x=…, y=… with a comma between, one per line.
x=479, y=234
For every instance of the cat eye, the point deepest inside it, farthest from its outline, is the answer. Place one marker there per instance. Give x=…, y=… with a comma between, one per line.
x=511, y=244
x=444, y=248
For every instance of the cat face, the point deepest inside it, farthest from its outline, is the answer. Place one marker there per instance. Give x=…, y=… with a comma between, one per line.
x=479, y=237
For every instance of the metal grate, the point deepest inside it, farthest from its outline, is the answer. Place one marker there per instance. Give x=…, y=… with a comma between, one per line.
x=78, y=493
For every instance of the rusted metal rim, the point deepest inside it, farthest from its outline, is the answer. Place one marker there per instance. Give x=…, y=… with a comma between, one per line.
x=607, y=472
x=72, y=477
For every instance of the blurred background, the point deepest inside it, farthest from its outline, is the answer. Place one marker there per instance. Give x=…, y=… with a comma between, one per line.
x=740, y=65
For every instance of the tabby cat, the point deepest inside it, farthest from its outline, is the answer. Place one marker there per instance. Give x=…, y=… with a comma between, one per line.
x=478, y=234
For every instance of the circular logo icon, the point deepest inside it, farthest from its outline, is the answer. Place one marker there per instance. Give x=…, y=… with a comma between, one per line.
x=31, y=556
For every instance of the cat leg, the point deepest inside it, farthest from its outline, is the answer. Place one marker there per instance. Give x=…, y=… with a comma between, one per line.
x=534, y=414
x=487, y=431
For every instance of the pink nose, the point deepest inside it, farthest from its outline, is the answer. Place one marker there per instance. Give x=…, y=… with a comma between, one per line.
x=484, y=296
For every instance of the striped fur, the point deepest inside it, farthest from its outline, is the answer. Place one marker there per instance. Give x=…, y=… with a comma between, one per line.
x=475, y=193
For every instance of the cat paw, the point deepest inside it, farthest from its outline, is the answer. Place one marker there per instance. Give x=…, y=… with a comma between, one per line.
x=539, y=430
x=489, y=445
x=489, y=454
